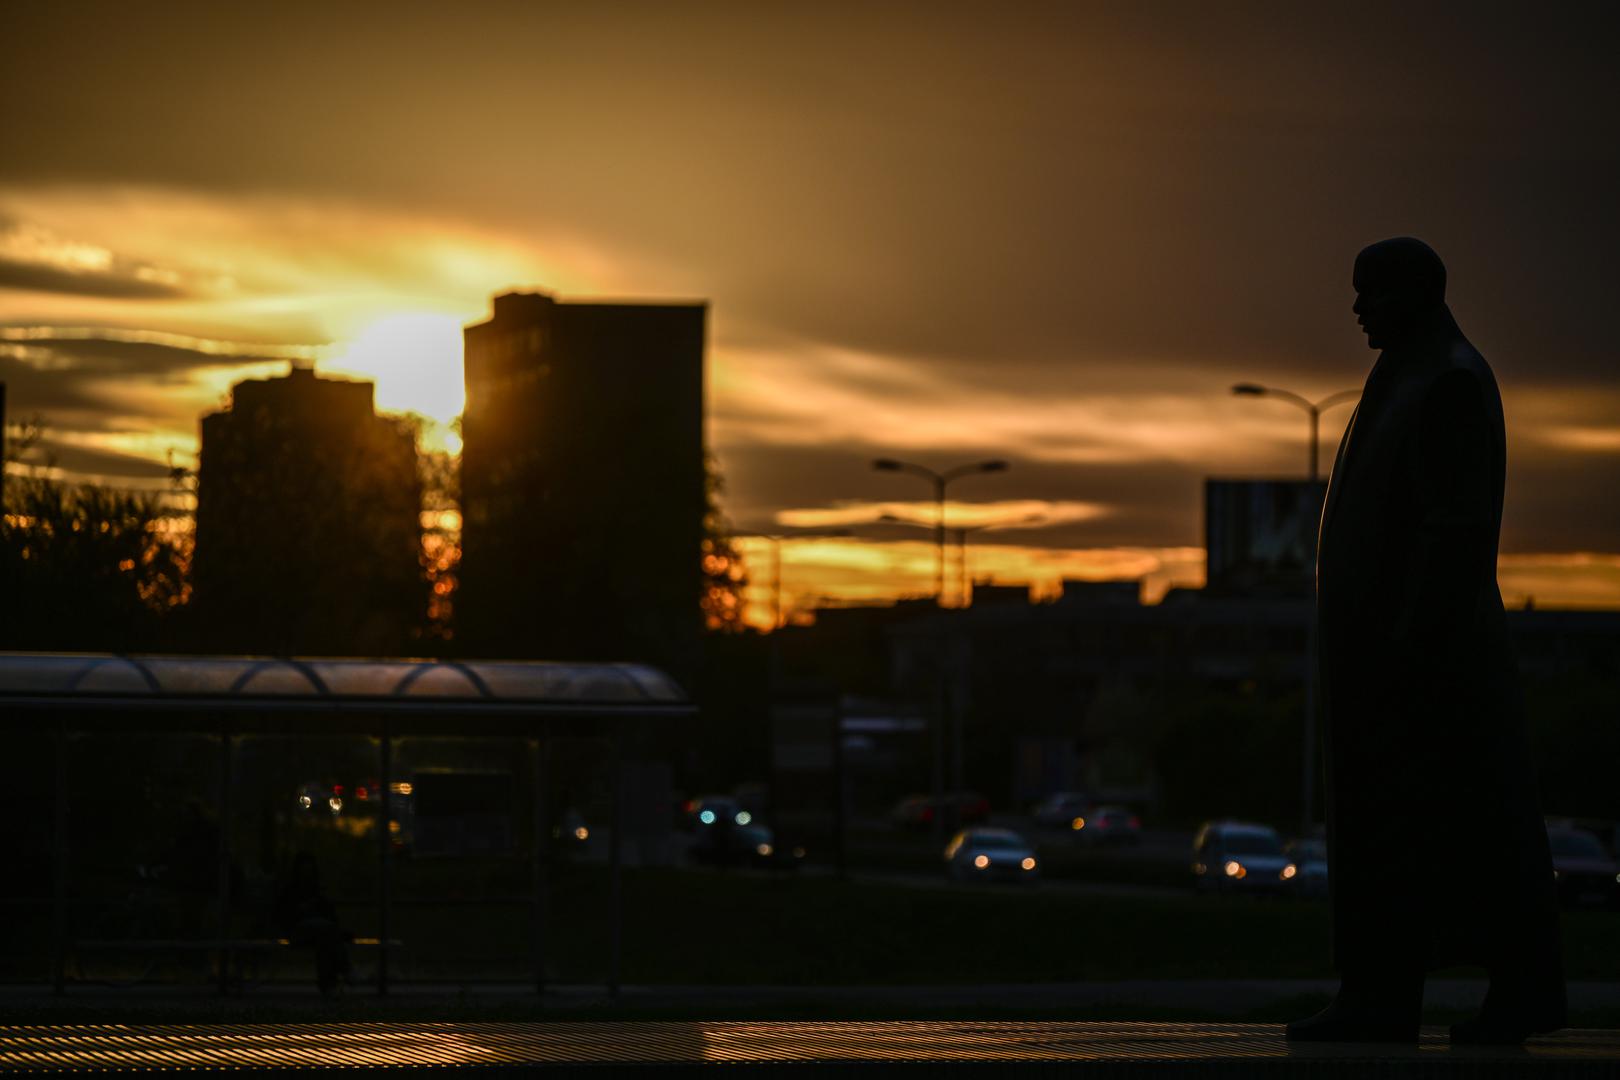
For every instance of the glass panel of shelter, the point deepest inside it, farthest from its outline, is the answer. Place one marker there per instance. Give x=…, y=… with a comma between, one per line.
x=489, y=880
x=498, y=876
x=142, y=854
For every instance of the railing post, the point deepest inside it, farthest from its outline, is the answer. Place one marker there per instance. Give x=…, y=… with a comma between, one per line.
x=59, y=877
x=615, y=875
x=840, y=793
x=222, y=857
x=385, y=862
x=537, y=761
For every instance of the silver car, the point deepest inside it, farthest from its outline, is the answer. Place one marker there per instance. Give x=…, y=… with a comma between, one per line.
x=991, y=855
x=1238, y=856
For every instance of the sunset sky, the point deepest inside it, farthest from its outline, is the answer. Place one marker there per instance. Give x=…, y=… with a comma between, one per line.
x=1054, y=234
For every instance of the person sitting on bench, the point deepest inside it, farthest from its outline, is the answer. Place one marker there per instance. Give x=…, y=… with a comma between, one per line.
x=306, y=917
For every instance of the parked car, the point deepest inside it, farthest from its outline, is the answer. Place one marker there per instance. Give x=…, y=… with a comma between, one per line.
x=1310, y=859
x=751, y=845
x=1108, y=825
x=1586, y=874
x=1063, y=810
x=1238, y=856
x=753, y=797
x=707, y=810
x=990, y=855
x=917, y=811
x=569, y=833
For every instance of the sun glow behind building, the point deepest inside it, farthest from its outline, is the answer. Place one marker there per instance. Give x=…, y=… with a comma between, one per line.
x=415, y=360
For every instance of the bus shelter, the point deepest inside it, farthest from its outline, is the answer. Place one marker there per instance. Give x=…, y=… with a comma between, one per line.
x=57, y=710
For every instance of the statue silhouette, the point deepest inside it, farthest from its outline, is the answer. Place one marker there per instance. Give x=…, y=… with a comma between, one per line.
x=1436, y=844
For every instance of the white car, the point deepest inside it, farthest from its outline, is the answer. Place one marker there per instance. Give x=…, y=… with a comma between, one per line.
x=1237, y=856
x=991, y=855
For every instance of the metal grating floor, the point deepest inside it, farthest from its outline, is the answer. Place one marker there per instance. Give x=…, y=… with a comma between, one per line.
x=1079, y=1049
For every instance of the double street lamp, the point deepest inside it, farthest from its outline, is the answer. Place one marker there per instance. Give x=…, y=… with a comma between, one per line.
x=1315, y=408
x=939, y=480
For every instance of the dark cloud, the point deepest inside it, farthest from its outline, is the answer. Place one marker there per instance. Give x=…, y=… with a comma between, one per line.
x=31, y=391
x=43, y=277
x=90, y=461
x=112, y=356
x=35, y=259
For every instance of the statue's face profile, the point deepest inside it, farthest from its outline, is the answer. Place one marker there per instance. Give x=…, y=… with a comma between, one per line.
x=1381, y=312
x=1397, y=282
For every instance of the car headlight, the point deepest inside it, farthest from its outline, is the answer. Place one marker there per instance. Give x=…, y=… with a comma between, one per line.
x=1235, y=870
x=1077, y=824
x=1028, y=863
x=764, y=850
x=981, y=861
x=1288, y=871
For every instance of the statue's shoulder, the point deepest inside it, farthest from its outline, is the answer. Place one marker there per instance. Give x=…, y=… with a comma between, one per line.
x=1464, y=357
x=1463, y=364
x=1463, y=384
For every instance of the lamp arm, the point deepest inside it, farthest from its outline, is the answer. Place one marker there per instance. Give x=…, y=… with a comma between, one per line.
x=1289, y=395
x=1337, y=399
x=920, y=470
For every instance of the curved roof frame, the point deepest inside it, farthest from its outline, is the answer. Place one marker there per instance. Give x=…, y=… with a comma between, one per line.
x=35, y=682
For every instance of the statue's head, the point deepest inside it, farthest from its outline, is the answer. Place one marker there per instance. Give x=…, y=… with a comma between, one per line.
x=1398, y=284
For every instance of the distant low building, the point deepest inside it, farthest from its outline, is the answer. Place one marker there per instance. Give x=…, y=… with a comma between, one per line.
x=308, y=522
x=583, y=482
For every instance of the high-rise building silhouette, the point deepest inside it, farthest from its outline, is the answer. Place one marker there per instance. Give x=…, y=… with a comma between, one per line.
x=308, y=522
x=583, y=482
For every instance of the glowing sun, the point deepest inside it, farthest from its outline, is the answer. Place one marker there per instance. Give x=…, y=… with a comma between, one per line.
x=415, y=358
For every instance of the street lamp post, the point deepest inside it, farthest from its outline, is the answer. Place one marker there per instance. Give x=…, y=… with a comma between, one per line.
x=939, y=480
x=1308, y=765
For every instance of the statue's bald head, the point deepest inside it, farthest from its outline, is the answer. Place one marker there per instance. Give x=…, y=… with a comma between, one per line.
x=1398, y=282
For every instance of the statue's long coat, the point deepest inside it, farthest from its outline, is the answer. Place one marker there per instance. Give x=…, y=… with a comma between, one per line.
x=1437, y=850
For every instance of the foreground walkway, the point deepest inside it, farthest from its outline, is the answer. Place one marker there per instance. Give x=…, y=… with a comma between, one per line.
x=801, y=1050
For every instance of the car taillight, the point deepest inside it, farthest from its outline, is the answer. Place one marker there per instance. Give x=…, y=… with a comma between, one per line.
x=1136, y=823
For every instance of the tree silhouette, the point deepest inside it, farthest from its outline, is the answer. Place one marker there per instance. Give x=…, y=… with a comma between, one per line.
x=724, y=575
x=84, y=566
